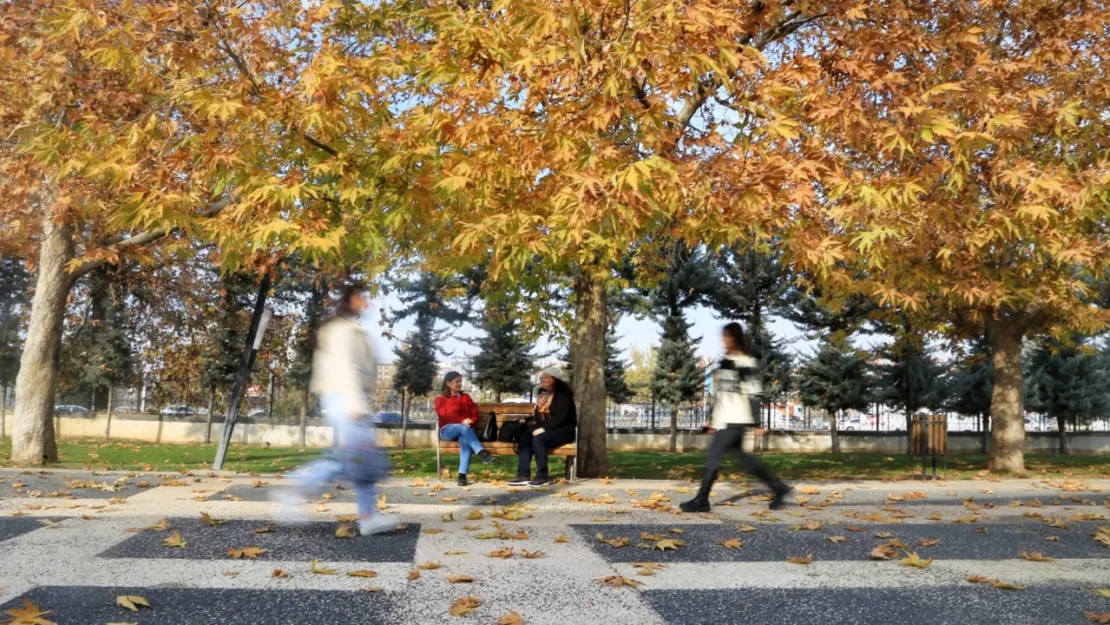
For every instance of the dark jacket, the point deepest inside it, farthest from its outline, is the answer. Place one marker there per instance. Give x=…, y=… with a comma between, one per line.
x=563, y=413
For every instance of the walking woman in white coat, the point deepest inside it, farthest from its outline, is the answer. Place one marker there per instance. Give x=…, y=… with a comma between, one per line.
x=736, y=391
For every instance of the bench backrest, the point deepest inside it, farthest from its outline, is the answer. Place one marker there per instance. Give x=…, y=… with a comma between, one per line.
x=503, y=412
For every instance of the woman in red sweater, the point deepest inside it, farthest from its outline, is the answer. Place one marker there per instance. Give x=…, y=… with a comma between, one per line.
x=457, y=415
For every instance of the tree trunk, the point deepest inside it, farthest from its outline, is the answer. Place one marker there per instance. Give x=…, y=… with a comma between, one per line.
x=33, y=425
x=211, y=409
x=674, y=429
x=1007, y=454
x=92, y=403
x=270, y=406
x=108, y=424
x=1062, y=433
x=834, y=430
x=497, y=396
x=405, y=419
x=3, y=410
x=985, y=433
x=304, y=415
x=587, y=346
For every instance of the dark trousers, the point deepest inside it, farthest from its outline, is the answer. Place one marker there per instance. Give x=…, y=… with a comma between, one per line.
x=733, y=439
x=538, y=446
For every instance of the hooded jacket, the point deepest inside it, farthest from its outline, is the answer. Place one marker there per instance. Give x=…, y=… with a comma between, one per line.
x=735, y=386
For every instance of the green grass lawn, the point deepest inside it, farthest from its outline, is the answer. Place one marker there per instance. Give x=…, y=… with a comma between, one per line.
x=137, y=456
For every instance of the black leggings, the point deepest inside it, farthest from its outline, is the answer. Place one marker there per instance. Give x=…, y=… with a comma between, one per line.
x=733, y=439
x=538, y=446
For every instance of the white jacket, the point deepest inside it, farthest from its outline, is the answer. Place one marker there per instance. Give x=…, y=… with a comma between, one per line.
x=733, y=390
x=344, y=364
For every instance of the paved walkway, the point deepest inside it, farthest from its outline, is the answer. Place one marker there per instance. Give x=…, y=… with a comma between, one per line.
x=67, y=546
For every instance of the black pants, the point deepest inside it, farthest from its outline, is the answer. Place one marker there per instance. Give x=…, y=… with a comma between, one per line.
x=733, y=439
x=538, y=446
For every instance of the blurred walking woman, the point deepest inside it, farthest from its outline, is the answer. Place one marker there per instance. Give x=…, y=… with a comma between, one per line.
x=735, y=386
x=344, y=374
x=457, y=414
x=553, y=424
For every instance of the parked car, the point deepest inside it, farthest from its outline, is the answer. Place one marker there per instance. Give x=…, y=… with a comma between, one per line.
x=388, y=417
x=70, y=409
x=178, y=410
x=257, y=413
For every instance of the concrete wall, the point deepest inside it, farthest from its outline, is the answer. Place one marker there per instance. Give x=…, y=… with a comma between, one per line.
x=421, y=435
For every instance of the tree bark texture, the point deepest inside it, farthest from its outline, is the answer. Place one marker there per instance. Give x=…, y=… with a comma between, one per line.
x=587, y=346
x=1007, y=454
x=1062, y=433
x=674, y=429
x=834, y=430
x=985, y=432
x=208, y=421
x=33, y=426
x=108, y=423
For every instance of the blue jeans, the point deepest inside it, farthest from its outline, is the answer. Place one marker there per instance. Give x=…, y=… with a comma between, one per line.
x=311, y=480
x=468, y=442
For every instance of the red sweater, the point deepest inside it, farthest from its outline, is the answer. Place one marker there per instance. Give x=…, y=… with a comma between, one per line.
x=456, y=408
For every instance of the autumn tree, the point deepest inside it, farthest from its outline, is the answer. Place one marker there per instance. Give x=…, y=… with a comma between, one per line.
x=969, y=180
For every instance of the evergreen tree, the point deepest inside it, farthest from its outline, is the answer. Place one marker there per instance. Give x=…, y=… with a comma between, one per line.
x=834, y=381
x=678, y=378
x=1067, y=382
x=909, y=380
x=748, y=285
x=504, y=363
x=615, y=384
x=14, y=284
x=227, y=337
x=415, y=368
x=776, y=368
x=969, y=387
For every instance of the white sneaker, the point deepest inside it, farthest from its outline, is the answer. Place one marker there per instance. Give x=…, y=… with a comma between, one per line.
x=379, y=524
x=289, y=507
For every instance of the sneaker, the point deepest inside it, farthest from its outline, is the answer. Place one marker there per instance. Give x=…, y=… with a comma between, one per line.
x=779, y=500
x=378, y=524
x=462, y=480
x=486, y=456
x=696, y=504
x=538, y=482
x=520, y=480
x=289, y=507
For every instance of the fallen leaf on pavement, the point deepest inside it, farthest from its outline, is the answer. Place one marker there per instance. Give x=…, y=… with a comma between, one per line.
x=431, y=530
x=347, y=518
x=428, y=566
x=345, y=531
x=883, y=553
x=455, y=553
x=414, y=575
x=464, y=606
x=265, y=529
x=616, y=581
x=562, y=538
x=29, y=614
x=504, y=553
x=884, y=535
x=808, y=490
x=668, y=544
x=914, y=560
x=512, y=618
x=1097, y=618
x=319, y=570
x=855, y=528
x=745, y=528
x=448, y=518
x=732, y=543
x=836, y=539
x=1006, y=585
x=1103, y=592
x=371, y=589
x=928, y=542
x=279, y=573
x=531, y=555
x=208, y=520
x=250, y=553
x=362, y=573
x=800, y=560
x=612, y=542
x=132, y=602
x=174, y=540
x=1035, y=556
x=460, y=579
x=475, y=515
x=648, y=568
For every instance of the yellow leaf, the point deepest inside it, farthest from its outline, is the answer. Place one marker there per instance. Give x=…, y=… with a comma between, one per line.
x=465, y=605
x=531, y=555
x=475, y=515
x=279, y=573
x=414, y=575
x=512, y=618
x=616, y=581
x=613, y=542
x=319, y=570
x=1036, y=556
x=668, y=544
x=648, y=568
x=345, y=531
x=732, y=543
x=928, y=542
x=453, y=183
x=836, y=539
x=132, y=602
x=210, y=521
x=914, y=560
x=745, y=528
x=174, y=540
x=459, y=579
x=800, y=560
x=362, y=573
x=29, y=614
x=428, y=566
x=882, y=553
x=562, y=538
x=251, y=553
x=504, y=553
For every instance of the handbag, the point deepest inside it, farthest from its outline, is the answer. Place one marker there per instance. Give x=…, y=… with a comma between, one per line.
x=511, y=431
x=489, y=432
x=361, y=458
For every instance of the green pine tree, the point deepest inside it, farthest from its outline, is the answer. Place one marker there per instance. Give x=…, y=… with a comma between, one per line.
x=834, y=381
x=616, y=386
x=415, y=369
x=14, y=302
x=678, y=378
x=1067, y=382
x=968, y=389
x=909, y=380
x=776, y=368
x=504, y=363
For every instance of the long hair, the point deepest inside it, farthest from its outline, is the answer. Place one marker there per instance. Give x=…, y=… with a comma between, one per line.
x=349, y=293
x=447, y=379
x=735, y=331
x=562, y=388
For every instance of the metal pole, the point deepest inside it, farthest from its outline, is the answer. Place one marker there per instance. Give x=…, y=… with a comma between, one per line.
x=259, y=318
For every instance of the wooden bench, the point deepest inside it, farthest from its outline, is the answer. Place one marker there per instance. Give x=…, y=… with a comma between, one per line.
x=504, y=413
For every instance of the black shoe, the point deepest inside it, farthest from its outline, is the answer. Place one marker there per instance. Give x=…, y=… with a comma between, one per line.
x=520, y=480
x=539, y=481
x=779, y=500
x=462, y=479
x=697, y=504
x=486, y=456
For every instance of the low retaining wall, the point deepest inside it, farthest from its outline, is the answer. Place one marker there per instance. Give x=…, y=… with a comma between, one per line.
x=420, y=435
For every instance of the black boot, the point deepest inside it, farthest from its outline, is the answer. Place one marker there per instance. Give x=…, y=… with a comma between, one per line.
x=778, y=502
x=700, y=502
x=462, y=479
x=486, y=456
